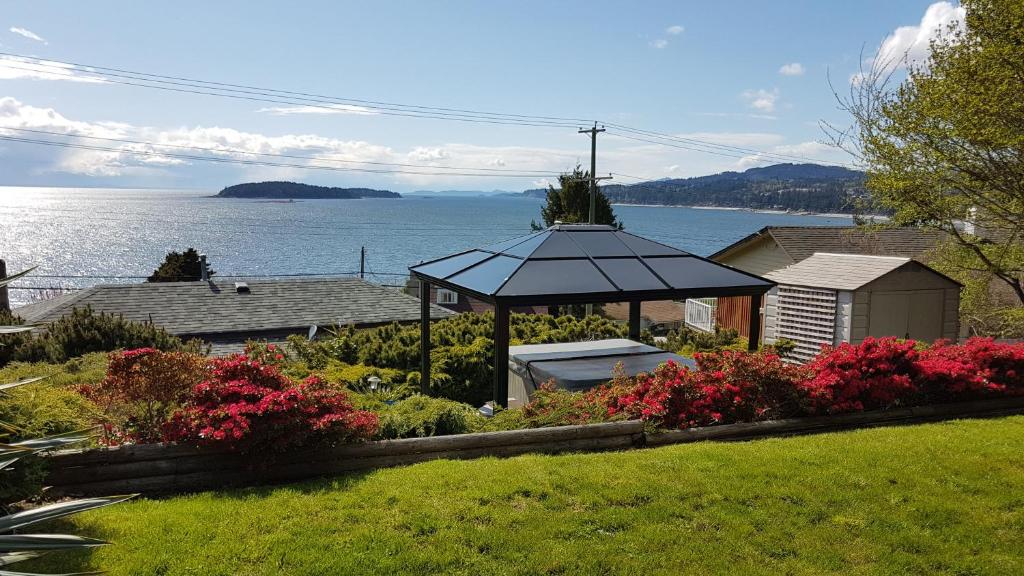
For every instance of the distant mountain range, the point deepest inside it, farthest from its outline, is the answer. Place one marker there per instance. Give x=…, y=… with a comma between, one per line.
x=297, y=191
x=793, y=187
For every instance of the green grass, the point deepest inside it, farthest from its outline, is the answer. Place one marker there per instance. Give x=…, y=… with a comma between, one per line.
x=932, y=499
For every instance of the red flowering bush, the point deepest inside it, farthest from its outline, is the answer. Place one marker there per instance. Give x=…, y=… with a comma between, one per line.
x=877, y=373
x=979, y=368
x=141, y=390
x=265, y=353
x=249, y=406
x=728, y=386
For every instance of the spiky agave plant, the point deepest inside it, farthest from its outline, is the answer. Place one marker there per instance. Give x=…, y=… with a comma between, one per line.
x=15, y=546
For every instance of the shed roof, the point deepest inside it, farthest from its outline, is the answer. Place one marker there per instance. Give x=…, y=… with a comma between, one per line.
x=581, y=262
x=840, y=271
x=215, y=307
x=799, y=242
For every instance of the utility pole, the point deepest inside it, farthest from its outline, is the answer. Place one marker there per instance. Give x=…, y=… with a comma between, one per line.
x=593, y=167
x=593, y=132
x=362, y=261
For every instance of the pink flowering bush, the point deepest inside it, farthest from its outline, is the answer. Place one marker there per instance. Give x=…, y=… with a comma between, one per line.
x=979, y=368
x=249, y=406
x=877, y=373
x=733, y=386
x=728, y=386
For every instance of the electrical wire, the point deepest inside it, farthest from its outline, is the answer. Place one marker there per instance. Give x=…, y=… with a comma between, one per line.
x=331, y=103
x=252, y=162
x=274, y=155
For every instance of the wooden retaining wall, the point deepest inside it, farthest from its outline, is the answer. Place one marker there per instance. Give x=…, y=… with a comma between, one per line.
x=166, y=469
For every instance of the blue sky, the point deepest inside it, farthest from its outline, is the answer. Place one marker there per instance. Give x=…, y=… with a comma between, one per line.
x=741, y=73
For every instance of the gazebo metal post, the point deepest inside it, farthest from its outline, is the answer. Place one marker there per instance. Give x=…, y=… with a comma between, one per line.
x=501, y=336
x=755, y=322
x=424, y=337
x=634, y=319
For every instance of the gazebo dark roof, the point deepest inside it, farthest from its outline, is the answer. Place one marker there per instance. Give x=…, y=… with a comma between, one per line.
x=570, y=263
x=576, y=264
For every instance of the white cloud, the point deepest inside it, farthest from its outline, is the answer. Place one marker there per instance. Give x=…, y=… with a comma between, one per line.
x=158, y=165
x=319, y=109
x=27, y=34
x=674, y=30
x=737, y=115
x=812, y=150
x=659, y=43
x=423, y=154
x=762, y=100
x=14, y=68
x=909, y=44
x=792, y=69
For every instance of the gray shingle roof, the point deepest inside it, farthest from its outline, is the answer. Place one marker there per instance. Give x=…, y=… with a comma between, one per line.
x=200, y=308
x=837, y=271
x=799, y=242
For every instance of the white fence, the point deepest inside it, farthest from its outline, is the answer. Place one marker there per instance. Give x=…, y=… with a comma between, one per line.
x=700, y=313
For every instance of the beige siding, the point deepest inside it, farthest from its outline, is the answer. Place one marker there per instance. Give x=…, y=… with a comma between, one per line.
x=771, y=312
x=860, y=308
x=760, y=257
x=951, y=314
x=844, y=310
x=910, y=280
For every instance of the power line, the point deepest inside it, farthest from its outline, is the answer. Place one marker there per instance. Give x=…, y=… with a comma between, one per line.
x=275, y=155
x=252, y=162
x=287, y=92
x=330, y=103
x=709, y=144
x=271, y=98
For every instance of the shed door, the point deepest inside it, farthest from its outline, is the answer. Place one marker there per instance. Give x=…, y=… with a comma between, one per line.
x=926, y=315
x=890, y=314
x=916, y=315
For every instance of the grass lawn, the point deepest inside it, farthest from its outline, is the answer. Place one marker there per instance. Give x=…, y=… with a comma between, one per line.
x=932, y=499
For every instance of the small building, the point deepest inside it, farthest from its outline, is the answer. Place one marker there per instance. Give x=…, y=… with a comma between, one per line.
x=827, y=299
x=224, y=313
x=774, y=247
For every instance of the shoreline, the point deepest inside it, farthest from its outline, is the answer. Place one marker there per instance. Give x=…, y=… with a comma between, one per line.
x=752, y=210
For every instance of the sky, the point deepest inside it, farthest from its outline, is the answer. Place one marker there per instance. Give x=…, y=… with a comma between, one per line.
x=754, y=76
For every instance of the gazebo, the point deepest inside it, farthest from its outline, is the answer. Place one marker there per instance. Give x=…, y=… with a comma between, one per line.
x=576, y=264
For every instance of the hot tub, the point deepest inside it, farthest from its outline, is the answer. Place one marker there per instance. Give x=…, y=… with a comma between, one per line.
x=579, y=366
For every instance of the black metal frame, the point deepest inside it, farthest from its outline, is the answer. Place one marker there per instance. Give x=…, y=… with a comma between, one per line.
x=503, y=304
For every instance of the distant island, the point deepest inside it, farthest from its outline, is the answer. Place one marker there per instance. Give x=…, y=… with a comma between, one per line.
x=790, y=187
x=298, y=191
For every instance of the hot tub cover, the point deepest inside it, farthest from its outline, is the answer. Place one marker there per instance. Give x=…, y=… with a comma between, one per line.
x=583, y=365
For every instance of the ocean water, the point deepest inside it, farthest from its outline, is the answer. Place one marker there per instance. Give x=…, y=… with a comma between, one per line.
x=80, y=237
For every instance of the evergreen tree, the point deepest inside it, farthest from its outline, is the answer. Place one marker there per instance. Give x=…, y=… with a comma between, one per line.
x=179, y=267
x=570, y=203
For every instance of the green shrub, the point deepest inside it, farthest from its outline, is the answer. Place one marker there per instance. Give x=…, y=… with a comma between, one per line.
x=420, y=416
x=687, y=342
x=10, y=342
x=461, y=348
x=51, y=406
x=83, y=331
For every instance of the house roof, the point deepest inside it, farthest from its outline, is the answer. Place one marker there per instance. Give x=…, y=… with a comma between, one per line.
x=799, y=242
x=215, y=307
x=840, y=271
x=570, y=263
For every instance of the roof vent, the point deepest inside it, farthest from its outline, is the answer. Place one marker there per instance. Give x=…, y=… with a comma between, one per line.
x=241, y=288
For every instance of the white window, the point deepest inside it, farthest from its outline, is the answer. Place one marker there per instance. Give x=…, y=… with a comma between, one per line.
x=447, y=296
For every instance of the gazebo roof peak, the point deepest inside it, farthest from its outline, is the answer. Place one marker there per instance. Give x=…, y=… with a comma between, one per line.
x=580, y=262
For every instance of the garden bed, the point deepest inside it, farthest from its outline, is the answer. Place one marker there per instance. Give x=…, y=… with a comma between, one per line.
x=168, y=468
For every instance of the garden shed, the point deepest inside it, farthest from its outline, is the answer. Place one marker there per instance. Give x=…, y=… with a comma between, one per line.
x=834, y=298
x=574, y=264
